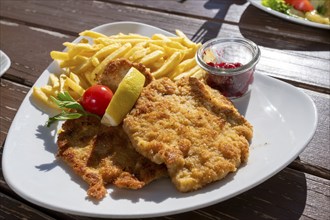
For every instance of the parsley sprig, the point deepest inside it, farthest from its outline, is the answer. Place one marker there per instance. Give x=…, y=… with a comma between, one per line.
x=65, y=102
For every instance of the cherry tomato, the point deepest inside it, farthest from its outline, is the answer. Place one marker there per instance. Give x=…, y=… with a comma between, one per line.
x=96, y=99
x=301, y=5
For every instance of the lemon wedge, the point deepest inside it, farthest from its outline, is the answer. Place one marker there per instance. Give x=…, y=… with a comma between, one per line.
x=123, y=100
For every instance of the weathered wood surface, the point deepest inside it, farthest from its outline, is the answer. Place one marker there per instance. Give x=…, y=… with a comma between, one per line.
x=281, y=35
x=297, y=54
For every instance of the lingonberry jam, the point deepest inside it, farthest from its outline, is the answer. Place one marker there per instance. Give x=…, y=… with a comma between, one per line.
x=224, y=65
x=230, y=64
x=230, y=86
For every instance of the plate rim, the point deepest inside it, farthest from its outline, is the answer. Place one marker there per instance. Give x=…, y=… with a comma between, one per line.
x=188, y=208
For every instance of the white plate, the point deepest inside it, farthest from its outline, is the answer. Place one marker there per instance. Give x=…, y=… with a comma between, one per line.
x=284, y=120
x=257, y=3
x=4, y=62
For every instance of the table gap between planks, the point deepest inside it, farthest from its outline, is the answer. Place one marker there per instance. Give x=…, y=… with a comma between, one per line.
x=29, y=30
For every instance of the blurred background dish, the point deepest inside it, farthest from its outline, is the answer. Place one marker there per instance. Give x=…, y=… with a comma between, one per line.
x=4, y=63
x=258, y=4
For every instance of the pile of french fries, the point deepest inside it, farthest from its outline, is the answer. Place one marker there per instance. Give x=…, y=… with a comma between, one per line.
x=82, y=62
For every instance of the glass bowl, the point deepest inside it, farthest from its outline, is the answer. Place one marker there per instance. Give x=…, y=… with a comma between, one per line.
x=230, y=63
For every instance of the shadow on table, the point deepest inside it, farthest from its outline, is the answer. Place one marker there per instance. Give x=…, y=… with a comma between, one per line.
x=309, y=39
x=281, y=197
x=210, y=29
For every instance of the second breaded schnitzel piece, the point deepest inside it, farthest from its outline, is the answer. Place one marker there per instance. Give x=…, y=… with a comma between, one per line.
x=191, y=128
x=104, y=155
x=116, y=71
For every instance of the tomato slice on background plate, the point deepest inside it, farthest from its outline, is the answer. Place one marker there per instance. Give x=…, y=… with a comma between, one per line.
x=301, y=5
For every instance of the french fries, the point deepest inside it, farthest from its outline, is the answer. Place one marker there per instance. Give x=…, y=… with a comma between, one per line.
x=84, y=61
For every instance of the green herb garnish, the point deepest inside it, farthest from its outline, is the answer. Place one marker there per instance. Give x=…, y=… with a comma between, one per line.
x=66, y=102
x=277, y=5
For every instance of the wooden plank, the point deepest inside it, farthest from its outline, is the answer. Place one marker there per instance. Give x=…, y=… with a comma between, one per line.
x=12, y=95
x=317, y=201
x=13, y=209
x=312, y=169
x=76, y=17
x=69, y=16
x=287, y=195
x=232, y=12
x=203, y=9
x=298, y=66
x=229, y=11
x=284, y=196
x=294, y=64
x=307, y=37
x=28, y=48
x=313, y=154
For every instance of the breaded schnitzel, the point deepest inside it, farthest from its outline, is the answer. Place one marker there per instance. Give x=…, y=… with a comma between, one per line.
x=117, y=69
x=191, y=128
x=103, y=155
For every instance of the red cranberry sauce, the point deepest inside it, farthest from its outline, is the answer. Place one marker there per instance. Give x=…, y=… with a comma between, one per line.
x=225, y=65
x=230, y=86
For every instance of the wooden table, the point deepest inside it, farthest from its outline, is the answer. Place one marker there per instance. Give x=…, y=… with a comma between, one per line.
x=296, y=54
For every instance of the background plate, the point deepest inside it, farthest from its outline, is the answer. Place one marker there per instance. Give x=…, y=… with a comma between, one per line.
x=4, y=62
x=284, y=120
x=257, y=3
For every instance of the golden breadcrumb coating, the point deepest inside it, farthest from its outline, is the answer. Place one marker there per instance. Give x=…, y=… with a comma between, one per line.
x=191, y=128
x=103, y=155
